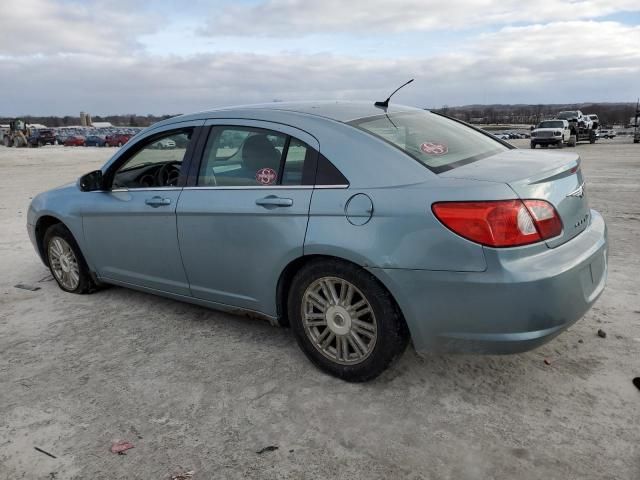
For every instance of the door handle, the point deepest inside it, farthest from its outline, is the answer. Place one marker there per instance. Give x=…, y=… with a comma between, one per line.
x=272, y=201
x=156, y=202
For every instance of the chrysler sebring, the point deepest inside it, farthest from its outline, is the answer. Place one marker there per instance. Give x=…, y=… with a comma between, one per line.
x=362, y=228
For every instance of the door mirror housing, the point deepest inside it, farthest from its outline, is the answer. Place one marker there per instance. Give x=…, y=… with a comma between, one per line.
x=92, y=181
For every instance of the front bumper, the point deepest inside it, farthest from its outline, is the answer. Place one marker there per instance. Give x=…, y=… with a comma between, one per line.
x=546, y=141
x=527, y=296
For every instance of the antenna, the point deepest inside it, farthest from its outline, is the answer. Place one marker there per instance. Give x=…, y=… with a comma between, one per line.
x=385, y=104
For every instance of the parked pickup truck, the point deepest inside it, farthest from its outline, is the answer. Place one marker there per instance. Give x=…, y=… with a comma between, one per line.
x=42, y=136
x=551, y=132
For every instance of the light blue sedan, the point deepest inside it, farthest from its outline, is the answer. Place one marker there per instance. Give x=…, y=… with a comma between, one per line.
x=359, y=227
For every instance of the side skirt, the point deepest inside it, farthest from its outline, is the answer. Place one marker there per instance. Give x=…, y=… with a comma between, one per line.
x=196, y=301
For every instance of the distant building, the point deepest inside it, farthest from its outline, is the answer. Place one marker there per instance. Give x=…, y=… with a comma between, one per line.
x=101, y=124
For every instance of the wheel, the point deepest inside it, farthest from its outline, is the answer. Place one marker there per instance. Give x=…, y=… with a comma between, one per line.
x=119, y=144
x=560, y=144
x=345, y=321
x=573, y=140
x=66, y=262
x=533, y=145
x=106, y=144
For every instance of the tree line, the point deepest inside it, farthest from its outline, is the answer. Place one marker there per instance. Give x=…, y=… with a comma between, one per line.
x=609, y=113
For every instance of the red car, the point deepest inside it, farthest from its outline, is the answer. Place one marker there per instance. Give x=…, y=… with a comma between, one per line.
x=117, y=139
x=74, y=141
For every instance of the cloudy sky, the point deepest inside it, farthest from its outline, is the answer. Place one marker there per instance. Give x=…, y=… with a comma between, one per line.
x=167, y=56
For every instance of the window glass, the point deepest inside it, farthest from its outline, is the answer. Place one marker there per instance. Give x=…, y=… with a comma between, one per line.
x=157, y=164
x=437, y=142
x=251, y=157
x=293, y=166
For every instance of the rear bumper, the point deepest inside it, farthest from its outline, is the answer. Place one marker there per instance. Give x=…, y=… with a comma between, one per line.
x=526, y=296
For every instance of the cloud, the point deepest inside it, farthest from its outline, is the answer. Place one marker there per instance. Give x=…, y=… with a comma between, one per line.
x=533, y=64
x=287, y=18
x=36, y=27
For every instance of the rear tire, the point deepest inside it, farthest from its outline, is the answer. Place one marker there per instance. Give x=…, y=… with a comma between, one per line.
x=345, y=321
x=66, y=262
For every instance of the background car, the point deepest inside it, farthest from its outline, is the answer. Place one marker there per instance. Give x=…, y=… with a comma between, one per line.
x=164, y=144
x=359, y=227
x=117, y=139
x=94, y=141
x=74, y=141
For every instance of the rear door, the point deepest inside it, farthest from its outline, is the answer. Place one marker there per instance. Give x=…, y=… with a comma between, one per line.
x=244, y=214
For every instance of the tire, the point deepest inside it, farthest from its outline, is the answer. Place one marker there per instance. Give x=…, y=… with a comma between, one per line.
x=533, y=145
x=106, y=144
x=560, y=144
x=573, y=140
x=369, y=350
x=119, y=144
x=59, y=239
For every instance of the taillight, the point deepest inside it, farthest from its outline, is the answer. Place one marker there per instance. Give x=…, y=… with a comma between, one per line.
x=500, y=223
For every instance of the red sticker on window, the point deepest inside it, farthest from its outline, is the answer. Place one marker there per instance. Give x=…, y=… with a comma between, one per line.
x=266, y=176
x=431, y=148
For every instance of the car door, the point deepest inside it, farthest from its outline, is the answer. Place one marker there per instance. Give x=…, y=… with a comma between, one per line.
x=244, y=216
x=130, y=226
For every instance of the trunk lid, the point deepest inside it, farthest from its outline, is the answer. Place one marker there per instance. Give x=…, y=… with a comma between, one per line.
x=552, y=176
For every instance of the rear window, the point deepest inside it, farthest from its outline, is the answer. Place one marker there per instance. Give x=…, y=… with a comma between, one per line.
x=439, y=143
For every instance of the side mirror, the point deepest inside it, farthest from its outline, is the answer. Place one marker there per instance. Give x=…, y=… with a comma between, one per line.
x=91, y=181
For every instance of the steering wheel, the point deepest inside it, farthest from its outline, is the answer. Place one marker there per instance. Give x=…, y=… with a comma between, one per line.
x=168, y=174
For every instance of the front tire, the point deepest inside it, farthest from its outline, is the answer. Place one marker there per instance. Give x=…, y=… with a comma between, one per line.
x=65, y=260
x=345, y=321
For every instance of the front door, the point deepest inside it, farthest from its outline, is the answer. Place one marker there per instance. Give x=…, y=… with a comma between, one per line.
x=130, y=228
x=245, y=218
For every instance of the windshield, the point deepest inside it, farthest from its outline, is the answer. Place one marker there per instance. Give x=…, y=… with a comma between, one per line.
x=439, y=143
x=551, y=124
x=567, y=115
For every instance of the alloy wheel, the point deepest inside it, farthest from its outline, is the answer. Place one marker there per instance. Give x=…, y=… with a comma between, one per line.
x=64, y=263
x=339, y=320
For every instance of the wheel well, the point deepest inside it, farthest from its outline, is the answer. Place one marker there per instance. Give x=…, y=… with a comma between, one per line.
x=43, y=224
x=286, y=278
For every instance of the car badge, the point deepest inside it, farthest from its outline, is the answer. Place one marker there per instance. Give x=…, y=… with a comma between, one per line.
x=578, y=192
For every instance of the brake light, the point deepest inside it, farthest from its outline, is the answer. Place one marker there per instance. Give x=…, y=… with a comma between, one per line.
x=500, y=223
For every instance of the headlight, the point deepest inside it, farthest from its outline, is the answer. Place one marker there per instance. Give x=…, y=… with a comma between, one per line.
x=557, y=134
x=533, y=134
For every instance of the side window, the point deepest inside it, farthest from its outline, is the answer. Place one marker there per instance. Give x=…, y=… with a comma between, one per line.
x=297, y=154
x=252, y=157
x=157, y=164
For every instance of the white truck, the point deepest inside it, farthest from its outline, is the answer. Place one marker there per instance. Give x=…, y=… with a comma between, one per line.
x=581, y=126
x=552, y=132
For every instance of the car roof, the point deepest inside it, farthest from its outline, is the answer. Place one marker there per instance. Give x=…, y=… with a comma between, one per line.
x=341, y=111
